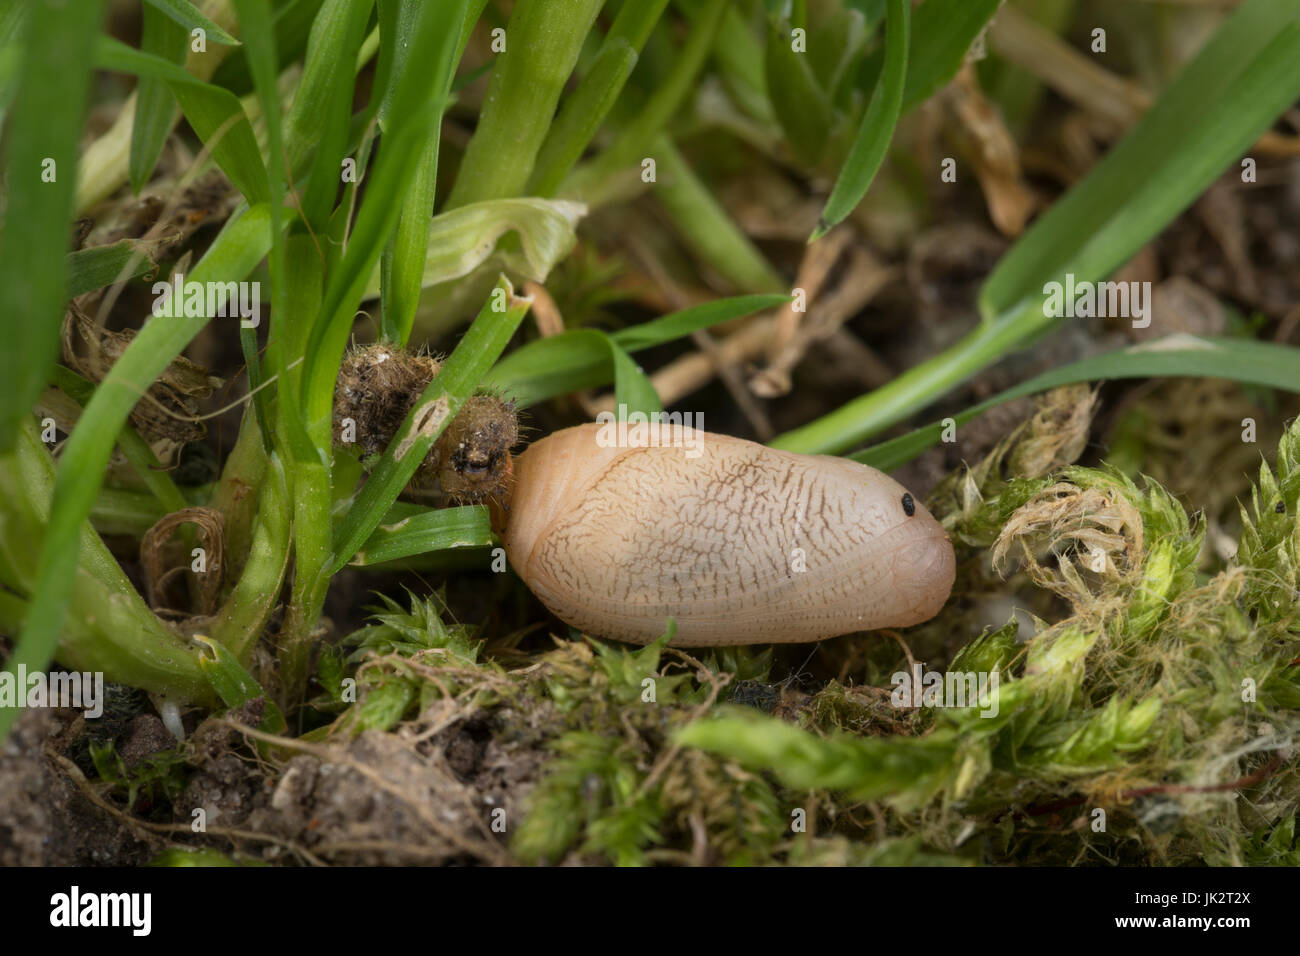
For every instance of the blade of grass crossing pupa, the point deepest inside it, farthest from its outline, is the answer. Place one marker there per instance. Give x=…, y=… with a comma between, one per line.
x=429, y=416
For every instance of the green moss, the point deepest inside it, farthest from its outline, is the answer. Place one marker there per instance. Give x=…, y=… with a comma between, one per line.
x=1128, y=727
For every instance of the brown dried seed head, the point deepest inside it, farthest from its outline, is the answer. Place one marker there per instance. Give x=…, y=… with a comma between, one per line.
x=377, y=386
x=166, y=412
x=472, y=458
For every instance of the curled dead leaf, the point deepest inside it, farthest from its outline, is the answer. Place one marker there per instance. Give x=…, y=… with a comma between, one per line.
x=154, y=561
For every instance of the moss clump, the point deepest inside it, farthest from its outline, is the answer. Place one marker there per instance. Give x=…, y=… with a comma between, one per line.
x=1128, y=730
x=407, y=660
x=617, y=788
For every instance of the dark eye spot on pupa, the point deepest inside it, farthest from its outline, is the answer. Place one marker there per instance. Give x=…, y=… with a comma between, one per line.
x=1280, y=507
x=909, y=506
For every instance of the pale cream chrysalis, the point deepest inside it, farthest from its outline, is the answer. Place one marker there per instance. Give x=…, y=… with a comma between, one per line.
x=741, y=544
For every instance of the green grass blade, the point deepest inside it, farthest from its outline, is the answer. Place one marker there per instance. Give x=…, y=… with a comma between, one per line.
x=98, y=266
x=13, y=24
x=219, y=121
x=155, y=106
x=386, y=185
x=682, y=323
x=183, y=13
x=942, y=33
x=437, y=529
x=542, y=45
x=286, y=34
x=41, y=175
x=434, y=409
x=325, y=58
x=255, y=22
x=108, y=627
x=878, y=122
x=1213, y=110
x=581, y=358
x=396, y=22
x=260, y=52
x=11, y=58
x=404, y=259
x=256, y=381
x=801, y=106
x=214, y=113
x=582, y=115
x=1246, y=76
x=633, y=390
x=556, y=365
x=739, y=57
x=586, y=109
x=235, y=686
x=291, y=330
x=706, y=227
x=638, y=137
x=243, y=617
x=1239, y=360
x=306, y=447
x=394, y=26
x=134, y=447
x=334, y=120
